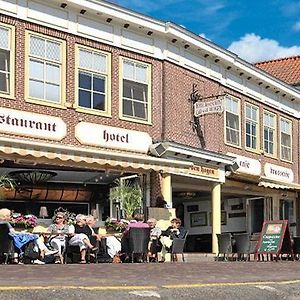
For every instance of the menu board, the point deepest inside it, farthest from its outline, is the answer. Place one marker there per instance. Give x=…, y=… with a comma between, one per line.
x=273, y=236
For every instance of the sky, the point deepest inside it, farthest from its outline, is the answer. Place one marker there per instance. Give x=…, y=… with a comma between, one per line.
x=256, y=30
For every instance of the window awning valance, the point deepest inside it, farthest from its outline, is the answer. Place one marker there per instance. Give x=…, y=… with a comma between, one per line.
x=86, y=157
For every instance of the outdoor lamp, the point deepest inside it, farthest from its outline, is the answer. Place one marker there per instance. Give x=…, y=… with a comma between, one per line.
x=43, y=212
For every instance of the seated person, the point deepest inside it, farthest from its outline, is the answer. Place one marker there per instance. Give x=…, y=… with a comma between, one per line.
x=59, y=231
x=172, y=232
x=82, y=237
x=22, y=239
x=154, y=244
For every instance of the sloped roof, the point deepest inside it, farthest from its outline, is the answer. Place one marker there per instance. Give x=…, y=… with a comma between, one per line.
x=286, y=69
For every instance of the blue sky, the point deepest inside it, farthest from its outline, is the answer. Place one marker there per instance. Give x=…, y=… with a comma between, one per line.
x=256, y=30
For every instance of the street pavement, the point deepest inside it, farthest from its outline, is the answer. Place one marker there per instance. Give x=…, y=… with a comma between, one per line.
x=198, y=280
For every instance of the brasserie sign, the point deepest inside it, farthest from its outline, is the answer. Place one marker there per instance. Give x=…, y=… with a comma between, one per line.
x=210, y=107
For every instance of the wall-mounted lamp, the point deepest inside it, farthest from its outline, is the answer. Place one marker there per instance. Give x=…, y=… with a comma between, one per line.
x=126, y=25
x=108, y=20
x=63, y=5
x=83, y=11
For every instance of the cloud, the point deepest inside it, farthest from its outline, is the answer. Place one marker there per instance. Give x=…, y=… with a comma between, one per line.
x=296, y=27
x=253, y=48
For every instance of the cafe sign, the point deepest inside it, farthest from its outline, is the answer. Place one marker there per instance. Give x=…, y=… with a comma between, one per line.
x=31, y=124
x=112, y=137
x=278, y=173
x=247, y=165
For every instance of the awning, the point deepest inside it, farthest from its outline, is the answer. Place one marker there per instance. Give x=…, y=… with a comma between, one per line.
x=85, y=157
x=279, y=185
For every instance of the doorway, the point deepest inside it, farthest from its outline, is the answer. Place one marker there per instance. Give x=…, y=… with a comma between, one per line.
x=255, y=214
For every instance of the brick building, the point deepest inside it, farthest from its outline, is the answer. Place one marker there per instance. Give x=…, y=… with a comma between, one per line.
x=91, y=92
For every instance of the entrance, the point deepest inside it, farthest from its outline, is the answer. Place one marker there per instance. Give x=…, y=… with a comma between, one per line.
x=255, y=214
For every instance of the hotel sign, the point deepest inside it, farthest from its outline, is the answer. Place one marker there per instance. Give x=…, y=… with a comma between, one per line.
x=204, y=171
x=210, y=107
x=278, y=173
x=31, y=124
x=112, y=137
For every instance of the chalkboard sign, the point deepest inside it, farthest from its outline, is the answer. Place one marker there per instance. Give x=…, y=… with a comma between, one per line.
x=275, y=238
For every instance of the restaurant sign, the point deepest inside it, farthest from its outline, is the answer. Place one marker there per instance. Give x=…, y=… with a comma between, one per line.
x=210, y=107
x=112, y=137
x=31, y=124
x=247, y=165
x=278, y=173
x=204, y=171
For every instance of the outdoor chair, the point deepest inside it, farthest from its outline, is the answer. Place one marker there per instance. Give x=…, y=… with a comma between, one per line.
x=296, y=247
x=72, y=253
x=225, y=245
x=6, y=244
x=242, y=244
x=177, y=247
x=138, y=242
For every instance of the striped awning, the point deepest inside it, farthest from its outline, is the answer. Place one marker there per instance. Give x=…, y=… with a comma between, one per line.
x=38, y=152
x=279, y=185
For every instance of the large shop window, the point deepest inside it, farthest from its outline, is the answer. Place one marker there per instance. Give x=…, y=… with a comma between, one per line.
x=269, y=133
x=286, y=139
x=136, y=90
x=6, y=60
x=45, y=68
x=232, y=116
x=93, y=79
x=252, y=134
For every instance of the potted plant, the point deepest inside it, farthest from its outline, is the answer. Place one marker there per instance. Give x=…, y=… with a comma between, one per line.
x=6, y=183
x=129, y=195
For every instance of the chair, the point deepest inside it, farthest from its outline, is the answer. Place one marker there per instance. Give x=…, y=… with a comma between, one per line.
x=177, y=247
x=225, y=245
x=296, y=246
x=6, y=243
x=242, y=243
x=138, y=242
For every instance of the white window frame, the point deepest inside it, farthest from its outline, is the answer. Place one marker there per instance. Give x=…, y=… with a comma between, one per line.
x=252, y=121
x=107, y=75
x=269, y=128
x=61, y=64
x=149, y=98
x=11, y=48
x=231, y=98
x=291, y=138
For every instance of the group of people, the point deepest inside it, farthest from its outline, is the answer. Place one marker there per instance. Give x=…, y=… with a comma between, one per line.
x=160, y=240
x=53, y=240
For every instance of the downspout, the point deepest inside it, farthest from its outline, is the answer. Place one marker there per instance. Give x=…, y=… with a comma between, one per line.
x=163, y=103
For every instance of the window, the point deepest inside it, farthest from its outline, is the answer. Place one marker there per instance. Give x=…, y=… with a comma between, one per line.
x=92, y=76
x=286, y=139
x=269, y=133
x=252, y=127
x=136, y=90
x=232, y=116
x=45, y=69
x=6, y=60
